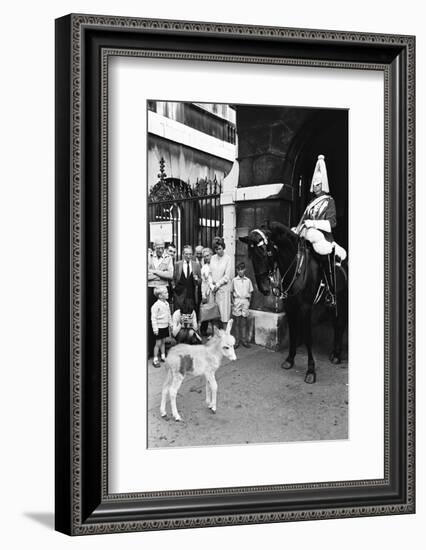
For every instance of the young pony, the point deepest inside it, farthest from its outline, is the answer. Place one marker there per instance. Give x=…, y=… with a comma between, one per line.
x=197, y=360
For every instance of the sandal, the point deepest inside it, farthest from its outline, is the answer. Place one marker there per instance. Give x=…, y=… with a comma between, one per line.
x=156, y=363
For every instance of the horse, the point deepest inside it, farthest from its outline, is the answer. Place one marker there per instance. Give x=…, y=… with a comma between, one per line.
x=286, y=264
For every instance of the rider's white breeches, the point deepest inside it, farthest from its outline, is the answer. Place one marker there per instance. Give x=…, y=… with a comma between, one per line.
x=320, y=243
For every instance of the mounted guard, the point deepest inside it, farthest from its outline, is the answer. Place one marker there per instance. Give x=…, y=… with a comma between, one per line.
x=316, y=225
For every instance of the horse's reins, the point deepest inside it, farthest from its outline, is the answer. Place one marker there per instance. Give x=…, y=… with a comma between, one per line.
x=297, y=271
x=298, y=259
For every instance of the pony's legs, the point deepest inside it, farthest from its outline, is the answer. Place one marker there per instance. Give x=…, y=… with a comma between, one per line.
x=174, y=388
x=213, y=386
x=208, y=394
x=165, y=391
x=292, y=320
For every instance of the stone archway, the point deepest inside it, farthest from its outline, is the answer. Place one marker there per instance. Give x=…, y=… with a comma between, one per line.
x=280, y=146
x=326, y=133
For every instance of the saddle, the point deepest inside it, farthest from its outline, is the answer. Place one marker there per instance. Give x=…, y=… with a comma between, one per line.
x=297, y=272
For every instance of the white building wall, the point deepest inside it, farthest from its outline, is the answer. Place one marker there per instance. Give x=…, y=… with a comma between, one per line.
x=180, y=133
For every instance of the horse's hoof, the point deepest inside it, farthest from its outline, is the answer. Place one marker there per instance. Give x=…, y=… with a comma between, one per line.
x=164, y=415
x=287, y=365
x=213, y=410
x=310, y=378
x=178, y=418
x=334, y=358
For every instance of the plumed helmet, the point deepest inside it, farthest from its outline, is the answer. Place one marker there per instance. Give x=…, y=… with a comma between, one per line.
x=320, y=175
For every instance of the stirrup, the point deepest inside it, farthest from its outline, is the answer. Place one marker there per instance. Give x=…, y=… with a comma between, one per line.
x=330, y=299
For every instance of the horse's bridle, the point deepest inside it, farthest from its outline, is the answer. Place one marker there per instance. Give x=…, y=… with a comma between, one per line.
x=275, y=280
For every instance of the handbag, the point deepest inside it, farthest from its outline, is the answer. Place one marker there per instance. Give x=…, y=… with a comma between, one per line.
x=209, y=312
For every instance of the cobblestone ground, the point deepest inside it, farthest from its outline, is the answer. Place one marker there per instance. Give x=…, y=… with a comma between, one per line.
x=258, y=402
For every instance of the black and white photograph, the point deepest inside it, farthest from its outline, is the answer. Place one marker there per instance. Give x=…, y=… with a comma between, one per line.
x=247, y=274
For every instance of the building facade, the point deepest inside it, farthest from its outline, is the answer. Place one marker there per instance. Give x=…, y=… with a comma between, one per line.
x=191, y=149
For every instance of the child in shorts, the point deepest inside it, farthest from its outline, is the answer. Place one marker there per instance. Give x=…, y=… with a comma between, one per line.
x=161, y=320
x=241, y=292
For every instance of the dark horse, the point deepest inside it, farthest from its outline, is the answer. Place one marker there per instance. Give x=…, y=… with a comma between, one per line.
x=286, y=264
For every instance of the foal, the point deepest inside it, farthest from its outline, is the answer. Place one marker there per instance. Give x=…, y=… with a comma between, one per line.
x=196, y=360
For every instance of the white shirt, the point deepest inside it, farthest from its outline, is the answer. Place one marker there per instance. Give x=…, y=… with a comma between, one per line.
x=187, y=268
x=156, y=261
x=241, y=287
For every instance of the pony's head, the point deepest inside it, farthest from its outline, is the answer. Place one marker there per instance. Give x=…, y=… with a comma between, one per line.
x=263, y=245
x=223, y=341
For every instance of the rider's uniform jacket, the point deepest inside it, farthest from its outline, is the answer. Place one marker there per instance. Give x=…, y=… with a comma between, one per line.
x=321, y=207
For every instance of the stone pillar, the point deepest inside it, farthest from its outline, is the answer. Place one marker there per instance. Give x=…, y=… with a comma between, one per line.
x=264, y=194
x=227, y=200
x=268, y=329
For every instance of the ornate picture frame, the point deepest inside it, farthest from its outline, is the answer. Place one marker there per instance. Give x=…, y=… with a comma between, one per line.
x=84, y=45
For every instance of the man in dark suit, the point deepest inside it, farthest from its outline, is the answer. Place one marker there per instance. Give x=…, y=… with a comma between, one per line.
x=187, y=279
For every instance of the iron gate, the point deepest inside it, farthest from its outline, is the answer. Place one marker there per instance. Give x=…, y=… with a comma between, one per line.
x=194, y=211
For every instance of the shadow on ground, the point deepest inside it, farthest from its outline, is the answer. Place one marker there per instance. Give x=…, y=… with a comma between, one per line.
x=47, y=519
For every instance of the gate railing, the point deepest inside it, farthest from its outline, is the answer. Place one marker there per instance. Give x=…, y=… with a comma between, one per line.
x=195, y=211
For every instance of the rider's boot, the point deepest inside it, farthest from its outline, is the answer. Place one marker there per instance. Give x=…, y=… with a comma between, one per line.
x=328, y=268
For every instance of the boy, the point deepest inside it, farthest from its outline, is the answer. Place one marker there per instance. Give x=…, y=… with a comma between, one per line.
x=161, y=321
x=241, y=291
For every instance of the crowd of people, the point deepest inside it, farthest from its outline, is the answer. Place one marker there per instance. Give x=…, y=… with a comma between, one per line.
x=187, y=298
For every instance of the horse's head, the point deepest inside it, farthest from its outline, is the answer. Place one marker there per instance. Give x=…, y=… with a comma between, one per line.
x=261, y=252
x=268, y=248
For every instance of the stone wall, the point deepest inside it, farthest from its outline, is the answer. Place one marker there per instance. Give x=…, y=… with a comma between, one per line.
x=281, y=145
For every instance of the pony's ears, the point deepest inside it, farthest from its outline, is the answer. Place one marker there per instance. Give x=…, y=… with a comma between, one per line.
x=219, y=332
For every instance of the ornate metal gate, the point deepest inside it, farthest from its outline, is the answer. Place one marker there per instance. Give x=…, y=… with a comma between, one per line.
x=194, y=211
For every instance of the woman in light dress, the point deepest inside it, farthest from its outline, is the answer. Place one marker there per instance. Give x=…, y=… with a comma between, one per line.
x=220, y=269
x=207, y=295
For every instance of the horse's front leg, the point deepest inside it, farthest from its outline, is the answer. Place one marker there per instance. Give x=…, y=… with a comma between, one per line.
x=292, y=322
